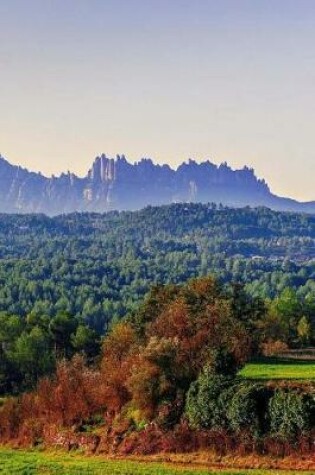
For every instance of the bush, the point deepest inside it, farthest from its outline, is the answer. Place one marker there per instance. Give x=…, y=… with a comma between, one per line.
x=290, y=413
x=203, y=408
x=247, y=408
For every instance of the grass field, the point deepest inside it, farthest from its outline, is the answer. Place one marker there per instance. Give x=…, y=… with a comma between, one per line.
x=280, y=368
x=14, y=462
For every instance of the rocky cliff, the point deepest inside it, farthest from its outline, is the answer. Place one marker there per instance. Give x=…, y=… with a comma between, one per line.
x=117, y=184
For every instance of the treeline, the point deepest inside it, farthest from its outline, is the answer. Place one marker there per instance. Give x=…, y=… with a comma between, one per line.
x=166, y=380
x=99, y=267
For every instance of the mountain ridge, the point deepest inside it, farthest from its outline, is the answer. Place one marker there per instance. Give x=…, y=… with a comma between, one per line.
x=117, y=184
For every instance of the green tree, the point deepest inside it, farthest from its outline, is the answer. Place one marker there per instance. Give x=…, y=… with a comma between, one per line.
x=32, y=357
x=304, y=331
x=85, y=340
x=61, y=329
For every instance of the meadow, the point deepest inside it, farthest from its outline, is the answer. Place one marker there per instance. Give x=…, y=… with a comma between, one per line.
x=279, y=368
x=16, y=462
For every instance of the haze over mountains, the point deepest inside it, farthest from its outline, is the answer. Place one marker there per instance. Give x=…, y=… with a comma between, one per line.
x=116, y=184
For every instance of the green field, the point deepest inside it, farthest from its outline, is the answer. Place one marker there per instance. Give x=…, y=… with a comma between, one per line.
x=280, y=368
x=31, y=463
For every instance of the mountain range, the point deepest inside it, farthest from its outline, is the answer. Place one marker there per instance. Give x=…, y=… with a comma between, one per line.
x=116, y=184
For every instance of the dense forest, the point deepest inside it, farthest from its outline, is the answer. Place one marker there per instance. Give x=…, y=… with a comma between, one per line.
x=98, y=267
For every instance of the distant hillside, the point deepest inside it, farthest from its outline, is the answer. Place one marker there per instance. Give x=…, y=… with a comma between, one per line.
x=116, y=184
x=99, y=266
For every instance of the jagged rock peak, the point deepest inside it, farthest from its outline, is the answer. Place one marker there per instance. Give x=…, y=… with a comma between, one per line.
x=103, y=169
x=115, y=183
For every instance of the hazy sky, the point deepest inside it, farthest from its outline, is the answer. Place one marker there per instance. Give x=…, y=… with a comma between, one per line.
x=228, y=80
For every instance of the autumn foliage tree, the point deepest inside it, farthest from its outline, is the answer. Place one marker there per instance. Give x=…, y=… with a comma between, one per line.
x=120, y=353
x=151, y=359
x=201, y=320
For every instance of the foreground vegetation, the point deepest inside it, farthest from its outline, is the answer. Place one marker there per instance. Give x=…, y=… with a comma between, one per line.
x=13, y=462
x=166, y=381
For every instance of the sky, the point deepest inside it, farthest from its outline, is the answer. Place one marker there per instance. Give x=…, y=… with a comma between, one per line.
x=228, y=80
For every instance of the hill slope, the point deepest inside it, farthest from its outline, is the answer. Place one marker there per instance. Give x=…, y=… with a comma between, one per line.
x=100, y=266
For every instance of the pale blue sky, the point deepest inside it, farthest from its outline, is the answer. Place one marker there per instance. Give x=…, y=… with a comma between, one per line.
x=226, y=80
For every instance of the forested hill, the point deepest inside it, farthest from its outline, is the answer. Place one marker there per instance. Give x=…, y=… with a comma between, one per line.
x=99, y=266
